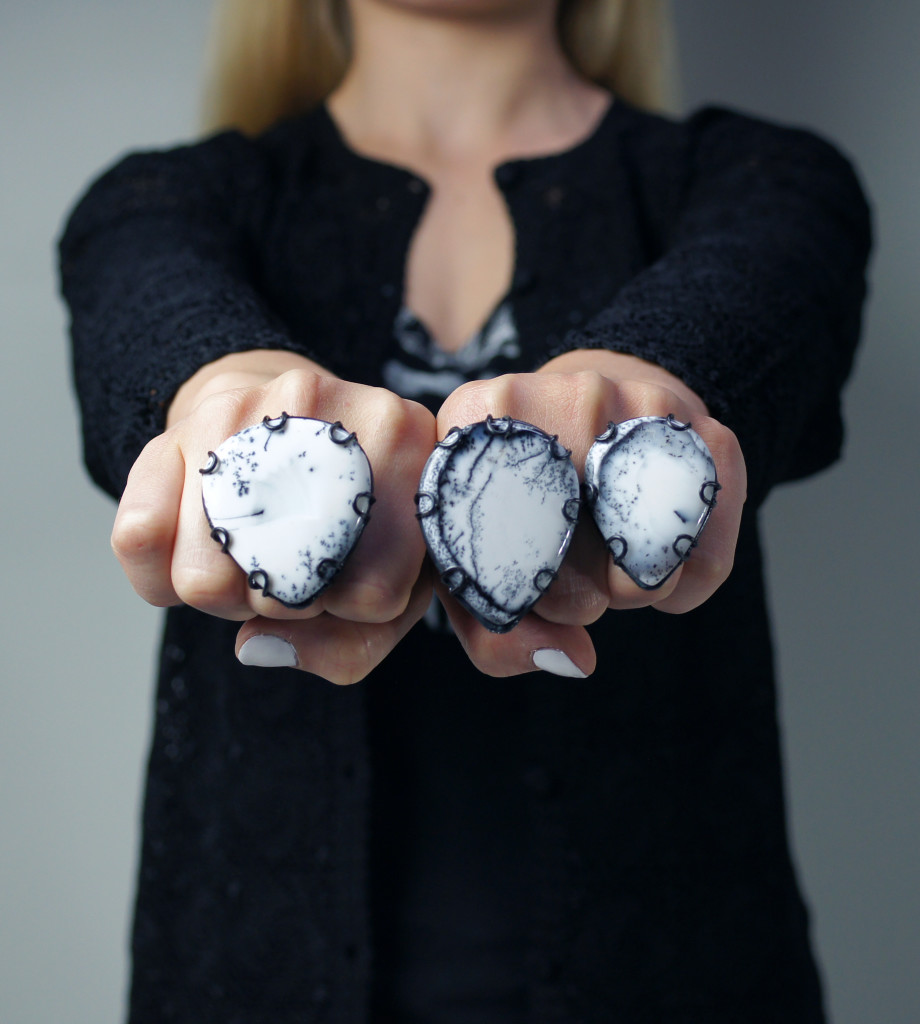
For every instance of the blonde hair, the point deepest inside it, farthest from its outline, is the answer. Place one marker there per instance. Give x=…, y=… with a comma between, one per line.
x=270, y=59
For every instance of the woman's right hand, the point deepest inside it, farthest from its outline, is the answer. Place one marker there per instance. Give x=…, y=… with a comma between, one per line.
x=162, y=537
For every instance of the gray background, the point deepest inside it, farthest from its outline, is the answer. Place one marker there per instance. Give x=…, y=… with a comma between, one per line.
x=81, y=82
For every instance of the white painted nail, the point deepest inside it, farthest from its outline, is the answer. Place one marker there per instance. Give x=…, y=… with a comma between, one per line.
x=265, y=651
x=549, y=659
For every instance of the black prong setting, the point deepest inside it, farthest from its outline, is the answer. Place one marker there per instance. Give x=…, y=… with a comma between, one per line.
x=275, y=424
x=222, y=537
x=339, y=435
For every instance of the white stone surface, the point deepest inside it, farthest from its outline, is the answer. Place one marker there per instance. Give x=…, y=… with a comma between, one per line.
x=288, y=501
x=499, y=515
x=651, y=480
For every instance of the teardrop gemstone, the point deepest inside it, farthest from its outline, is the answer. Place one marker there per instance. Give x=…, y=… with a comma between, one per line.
x=498, y=502
x=651, y=485
x=287, y=500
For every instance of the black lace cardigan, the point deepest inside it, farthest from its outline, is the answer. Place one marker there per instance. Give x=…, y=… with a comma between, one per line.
x=648, y=836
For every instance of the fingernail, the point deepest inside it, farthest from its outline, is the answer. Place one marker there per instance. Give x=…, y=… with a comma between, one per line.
x=549, y=659
x=266, y=651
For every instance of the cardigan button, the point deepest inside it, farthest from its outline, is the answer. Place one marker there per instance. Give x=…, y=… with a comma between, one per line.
x=320, y=994
x=172, y=652
x=416, y=186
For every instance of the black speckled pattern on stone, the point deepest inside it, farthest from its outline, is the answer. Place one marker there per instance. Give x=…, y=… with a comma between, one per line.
x=497, y=502
x=652, y=484
x=288, y=500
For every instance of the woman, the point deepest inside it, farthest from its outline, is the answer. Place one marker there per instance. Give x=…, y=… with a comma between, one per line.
x=459, y=220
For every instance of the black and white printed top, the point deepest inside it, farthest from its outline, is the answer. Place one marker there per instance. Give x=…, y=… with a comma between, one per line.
x=421, y=370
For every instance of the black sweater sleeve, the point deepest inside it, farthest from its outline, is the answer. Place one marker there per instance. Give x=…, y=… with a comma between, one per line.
x=755, y=300
x=157, y=269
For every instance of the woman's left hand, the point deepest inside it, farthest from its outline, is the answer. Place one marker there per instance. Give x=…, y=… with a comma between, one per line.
x=575, y=396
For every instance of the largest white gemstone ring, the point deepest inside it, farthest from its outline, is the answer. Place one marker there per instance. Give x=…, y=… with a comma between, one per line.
x=497, y=502
x=287, y=500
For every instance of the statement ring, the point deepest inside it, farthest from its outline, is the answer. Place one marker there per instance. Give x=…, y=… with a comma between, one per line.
x=498, y=502
x=288, y=499
x=651, y=485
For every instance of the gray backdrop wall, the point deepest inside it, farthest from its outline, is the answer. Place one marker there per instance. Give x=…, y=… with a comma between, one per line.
x=82, y=82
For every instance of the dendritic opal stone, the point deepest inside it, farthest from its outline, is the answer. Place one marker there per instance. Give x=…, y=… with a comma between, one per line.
x=497, y=503
x=651, y=484
x=287, y=500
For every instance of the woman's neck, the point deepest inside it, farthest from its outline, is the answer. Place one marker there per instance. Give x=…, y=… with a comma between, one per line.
x=428, y=88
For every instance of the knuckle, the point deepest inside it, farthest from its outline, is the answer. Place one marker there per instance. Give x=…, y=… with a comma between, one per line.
x=646, y=398
x=419, y=422
x=403, y=422
x=369, y=600
x=623, y=593
x=298, y=392
x=348, y=663
x=716, y=566
x=204, y=589
x=588, y=386
x=223, y=410
x=473, y=401
x=511, y=391
x=141, y=535
x=580, y=408
x=575, y=601
x=484, y=651
x=390, y=405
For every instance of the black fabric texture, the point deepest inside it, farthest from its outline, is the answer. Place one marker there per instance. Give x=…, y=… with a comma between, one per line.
x=630, y=860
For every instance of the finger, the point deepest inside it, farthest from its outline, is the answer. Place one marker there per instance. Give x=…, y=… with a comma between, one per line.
x=339, y=650
x=144, y=530
x=203, y=574
x=711, y=560
x=534, y=644
x=378, y=579
x=579, y=594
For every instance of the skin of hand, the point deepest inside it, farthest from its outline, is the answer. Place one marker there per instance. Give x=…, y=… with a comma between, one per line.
x=575, y=396
x=162, y=538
